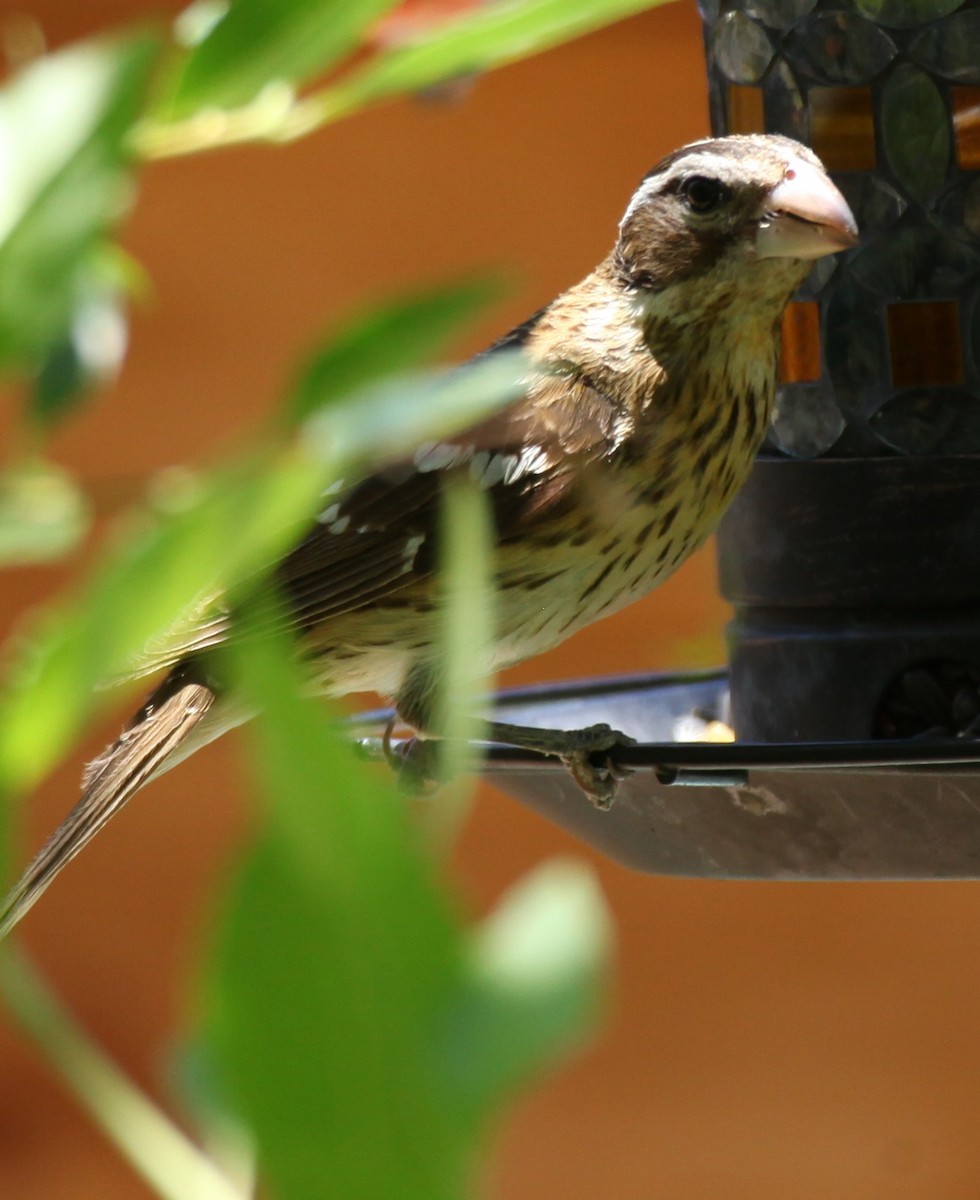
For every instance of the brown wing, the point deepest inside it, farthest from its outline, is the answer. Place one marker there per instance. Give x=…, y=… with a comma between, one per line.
x=380, y=536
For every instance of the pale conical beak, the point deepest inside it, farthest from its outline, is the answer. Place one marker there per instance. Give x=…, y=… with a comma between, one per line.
x=805, y=217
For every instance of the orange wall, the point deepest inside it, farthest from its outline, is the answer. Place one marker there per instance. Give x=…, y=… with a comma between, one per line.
x=792, y=1041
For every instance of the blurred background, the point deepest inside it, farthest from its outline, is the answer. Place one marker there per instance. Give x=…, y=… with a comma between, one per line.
x=763, y=1039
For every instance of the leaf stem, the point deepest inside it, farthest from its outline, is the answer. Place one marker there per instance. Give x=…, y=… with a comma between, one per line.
x=274, y=116
x=164, y=1156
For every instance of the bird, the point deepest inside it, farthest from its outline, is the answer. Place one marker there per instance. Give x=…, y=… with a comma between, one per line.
x=647, y=393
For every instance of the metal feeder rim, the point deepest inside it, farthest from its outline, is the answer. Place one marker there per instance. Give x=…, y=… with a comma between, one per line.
x=715, y=763
x=707, y=763
x=722, y=758
x=565, y=689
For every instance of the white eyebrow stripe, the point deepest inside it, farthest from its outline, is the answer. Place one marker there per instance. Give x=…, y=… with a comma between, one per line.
x=647, y=188
x=695, y=161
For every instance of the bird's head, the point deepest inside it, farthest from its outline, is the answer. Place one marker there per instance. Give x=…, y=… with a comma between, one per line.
x=755, y=209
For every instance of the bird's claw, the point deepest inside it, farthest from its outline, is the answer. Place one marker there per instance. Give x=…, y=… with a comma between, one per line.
x=585, y=752
x=593, y=768
x=414, y=761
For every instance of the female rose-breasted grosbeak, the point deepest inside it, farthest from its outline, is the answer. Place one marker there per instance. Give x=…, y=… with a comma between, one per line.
x=650, y=391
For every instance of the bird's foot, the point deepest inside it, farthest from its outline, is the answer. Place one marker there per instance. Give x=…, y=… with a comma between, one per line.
x=414, y=761
x=594, y=769
x=585, y=752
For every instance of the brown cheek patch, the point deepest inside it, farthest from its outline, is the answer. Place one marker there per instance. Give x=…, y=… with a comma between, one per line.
x=659, y=249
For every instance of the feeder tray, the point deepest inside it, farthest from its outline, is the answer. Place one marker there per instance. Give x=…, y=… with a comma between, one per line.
x=854, y=810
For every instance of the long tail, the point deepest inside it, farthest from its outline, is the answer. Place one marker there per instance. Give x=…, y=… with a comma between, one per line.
x=154, y=733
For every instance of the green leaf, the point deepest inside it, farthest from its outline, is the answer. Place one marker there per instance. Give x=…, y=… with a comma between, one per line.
x=63, y=124
x=149, y=591
x=91, y=351
x=362, y=1036
x=465, y=631
x=207, y=536
x=398, y=336
x=534, y=983
x=335, y=958
x=381, y=422
x=261, y=42
x=43, y=515
x=154, y=1146
x=486, y=37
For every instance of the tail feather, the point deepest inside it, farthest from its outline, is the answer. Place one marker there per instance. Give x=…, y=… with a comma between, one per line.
x=161, y=725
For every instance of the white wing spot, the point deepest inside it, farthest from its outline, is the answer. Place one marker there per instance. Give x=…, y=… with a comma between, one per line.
x=329, y=515
x=437, y=456
x=478, y=464
x=531, y=461
x=412, y=547
x=494, y=471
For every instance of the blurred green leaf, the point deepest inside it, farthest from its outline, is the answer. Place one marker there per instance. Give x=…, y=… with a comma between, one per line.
x=155, y=1147
x=92, y=349
x=337, y=953
x=465, y=636
x=43, y=515
x=398, y=336
x=360, y=1033
x=533, y=986
x=63, y=124
x=61, y=380
x=205, y=538
x=395, y=414
x=155, y=582
x=261, y=42
x=200, y=113
x=488, y=36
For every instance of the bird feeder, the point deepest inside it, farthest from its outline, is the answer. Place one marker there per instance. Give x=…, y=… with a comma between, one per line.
x=852, y=556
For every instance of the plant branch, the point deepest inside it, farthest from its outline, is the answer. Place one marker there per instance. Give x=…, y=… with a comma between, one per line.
x=164, y=1156
x=276, y=115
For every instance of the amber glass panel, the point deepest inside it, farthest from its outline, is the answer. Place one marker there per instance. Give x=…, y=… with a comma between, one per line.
x=966, y=126
x=745, y=113
x=842, y=130
x=800, y=359
x=924, y=339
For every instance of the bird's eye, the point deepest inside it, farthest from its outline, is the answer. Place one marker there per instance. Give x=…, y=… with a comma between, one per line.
x=703, y=194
